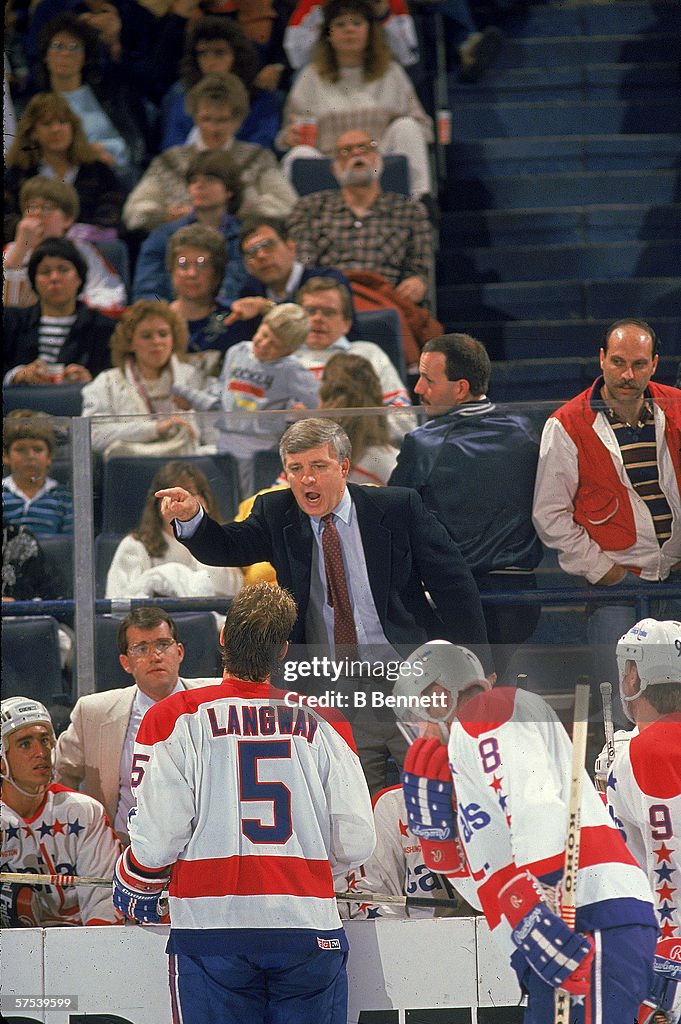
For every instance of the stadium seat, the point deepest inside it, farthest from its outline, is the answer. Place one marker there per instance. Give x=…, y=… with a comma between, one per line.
x=198, y=631
x=105, y=549
x=115, y=252
x=125, y=482
x=311, y=174
x=266, y=469
x=55, y=399
x=382, y=326
x=31, y=663
x=58, y=551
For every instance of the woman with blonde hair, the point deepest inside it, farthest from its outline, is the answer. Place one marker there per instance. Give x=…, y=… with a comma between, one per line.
x=148, y=353
x=150, y=562
x=352, y=83
x=50, y=141
x=350, y=382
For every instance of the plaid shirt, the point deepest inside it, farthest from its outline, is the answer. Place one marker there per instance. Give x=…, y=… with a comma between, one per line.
x=393, y=239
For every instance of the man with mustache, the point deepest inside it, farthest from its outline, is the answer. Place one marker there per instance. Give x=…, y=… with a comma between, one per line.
x=608, y=490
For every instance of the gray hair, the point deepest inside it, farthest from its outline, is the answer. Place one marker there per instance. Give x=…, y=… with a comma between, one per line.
x=290, y=323
x=313, y=433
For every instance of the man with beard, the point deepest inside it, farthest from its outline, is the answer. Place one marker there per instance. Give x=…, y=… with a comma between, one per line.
x=608, y=490
x=360, y=228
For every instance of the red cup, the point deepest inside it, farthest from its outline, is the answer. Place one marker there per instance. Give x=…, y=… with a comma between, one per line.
x=307, y=131
x=444, y=127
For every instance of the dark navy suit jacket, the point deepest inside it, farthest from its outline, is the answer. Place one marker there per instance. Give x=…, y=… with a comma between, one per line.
x=407, y=552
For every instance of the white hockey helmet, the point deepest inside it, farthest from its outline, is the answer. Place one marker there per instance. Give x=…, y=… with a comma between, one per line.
x=655, y=649
x=18, y=713
x=437, y=661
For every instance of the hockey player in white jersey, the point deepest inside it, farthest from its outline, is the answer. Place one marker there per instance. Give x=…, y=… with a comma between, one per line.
x=508, y=768
x=248, y=801
x=48, y=829
x=644, y=789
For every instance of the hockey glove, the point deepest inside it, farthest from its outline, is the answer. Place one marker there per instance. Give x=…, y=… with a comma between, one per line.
x=137, y=895
x=431, y=811
x=559, y=955
x=665, y=989
x=18, y=906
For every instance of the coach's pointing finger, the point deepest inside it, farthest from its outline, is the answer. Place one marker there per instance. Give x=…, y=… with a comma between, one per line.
x=176, y=503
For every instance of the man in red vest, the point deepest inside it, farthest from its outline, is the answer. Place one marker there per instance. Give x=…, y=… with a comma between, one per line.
x=608, y=490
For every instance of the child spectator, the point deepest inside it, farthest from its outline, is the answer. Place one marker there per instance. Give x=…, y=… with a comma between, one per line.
x=48, y=209
x=150, y=562
x=29, y=496
x=257, y=376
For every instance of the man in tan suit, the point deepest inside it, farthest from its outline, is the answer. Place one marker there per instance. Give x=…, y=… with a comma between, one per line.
x=95, y=753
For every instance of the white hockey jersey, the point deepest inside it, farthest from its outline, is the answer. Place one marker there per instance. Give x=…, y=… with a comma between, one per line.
x=644, y=795
x=255, y=800
x=511, y=763
x=70, y=835
x=396, y=868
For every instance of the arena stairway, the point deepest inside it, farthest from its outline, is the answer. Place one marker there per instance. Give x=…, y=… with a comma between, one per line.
x=562, y=210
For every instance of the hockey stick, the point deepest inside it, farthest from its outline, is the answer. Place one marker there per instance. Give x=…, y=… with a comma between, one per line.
x=28, y=878
x=580, y=728
x=608, y=728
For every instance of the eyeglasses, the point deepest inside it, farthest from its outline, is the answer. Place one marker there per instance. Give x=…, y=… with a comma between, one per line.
x=65, y=47
x=41, y=208
x=356, y=147
x=201, y=263
x=144, y=650
x=266, y=245
x=325, y=311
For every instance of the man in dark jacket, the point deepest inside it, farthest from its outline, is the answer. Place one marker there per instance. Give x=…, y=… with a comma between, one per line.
x=474, y=466
x=392, y=549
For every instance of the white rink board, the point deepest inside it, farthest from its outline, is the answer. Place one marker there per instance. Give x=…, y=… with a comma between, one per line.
x=393, y=964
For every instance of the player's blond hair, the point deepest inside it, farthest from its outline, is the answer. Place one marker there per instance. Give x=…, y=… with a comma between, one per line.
x=257, y=625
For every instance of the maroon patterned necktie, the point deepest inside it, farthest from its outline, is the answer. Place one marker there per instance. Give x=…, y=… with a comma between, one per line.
x=344, y=632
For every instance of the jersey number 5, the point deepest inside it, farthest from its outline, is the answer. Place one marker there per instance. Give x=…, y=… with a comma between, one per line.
x=252, y=789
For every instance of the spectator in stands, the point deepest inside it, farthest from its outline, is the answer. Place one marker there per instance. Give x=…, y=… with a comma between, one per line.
x=148, y=352
x=275, y=275
x=352, y=80
x=48, y=209
x=50, y=141
x=327, y=305
x=30, y=497
x=196, y=261
x=608, y=490
x=302, y=31
x=217, y=45
x=59, y=328
x=474, y=466
x=213, y=184
x=149, y=562
x=95, y=753
x=350, y=382
x=112, y=114
x=48, y=829
x=218, y=104
x=380, y=240
x=258, y=376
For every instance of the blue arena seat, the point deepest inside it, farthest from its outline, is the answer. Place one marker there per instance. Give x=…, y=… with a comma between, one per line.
x=382, y=326
x=311, y=174
x=58, y=551
x=126, y=480
x=31, y=662
x=55, y=399
x=266, y=469
x=105, y=549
